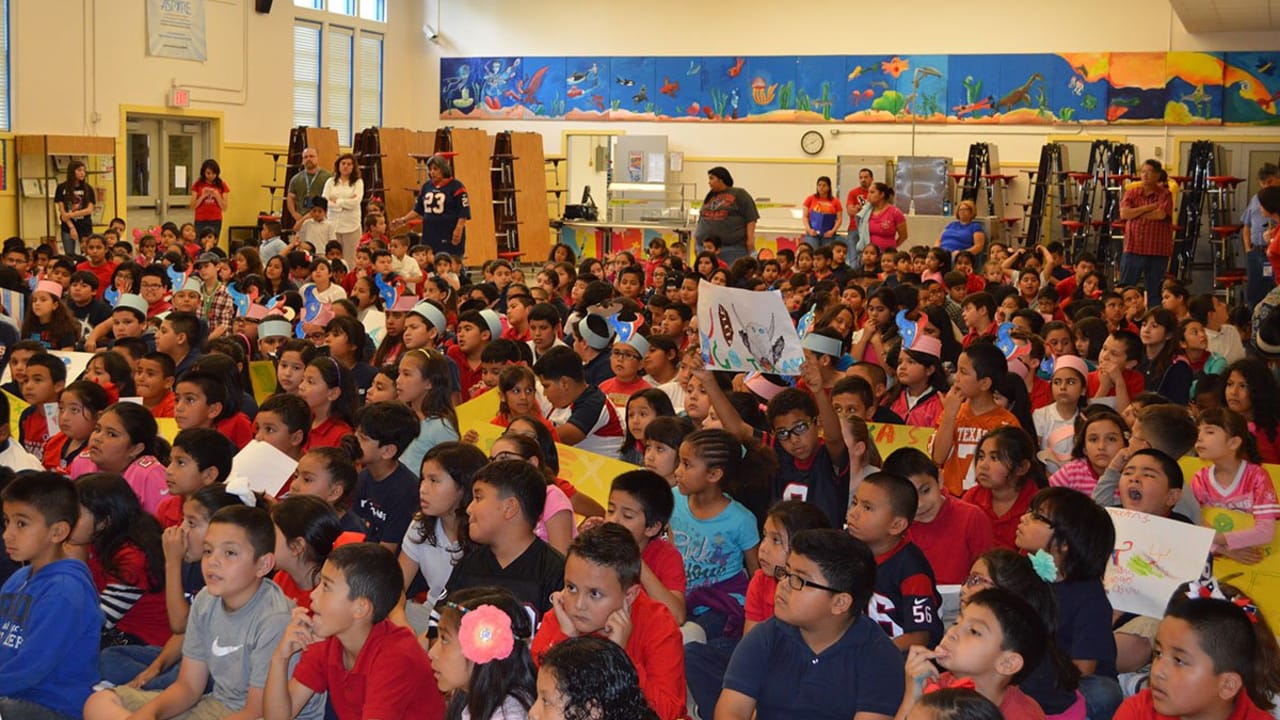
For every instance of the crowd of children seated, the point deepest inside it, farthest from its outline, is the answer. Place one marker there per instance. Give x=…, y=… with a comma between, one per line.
x=762, y=559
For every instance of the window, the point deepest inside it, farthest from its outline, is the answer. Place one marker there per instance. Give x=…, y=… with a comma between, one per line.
x=312, y=4
x=369, y=91
x=375, y=10
x=337, y=82
x=306, y=74
x=4, y=65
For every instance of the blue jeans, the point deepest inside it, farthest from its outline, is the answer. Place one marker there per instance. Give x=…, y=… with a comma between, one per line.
x=26, y=710
x=1259, y=278
x=731, y=253
x=121, y=664
x=1102, y=696
x=704, y=666
x=1151, y=268
x=68, y=243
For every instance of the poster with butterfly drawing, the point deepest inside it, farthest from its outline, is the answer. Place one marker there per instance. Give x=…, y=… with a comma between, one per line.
x=747, y=330
x=1152, y=557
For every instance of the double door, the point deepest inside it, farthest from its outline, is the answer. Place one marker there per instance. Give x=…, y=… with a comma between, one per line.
x=162, y=161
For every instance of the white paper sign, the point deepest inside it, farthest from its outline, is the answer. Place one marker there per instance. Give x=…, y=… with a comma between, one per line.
x=266, y=468
x=76, y=362
x=176, y=29
x=747, y=330
x=179, y=177
x=1152, y=557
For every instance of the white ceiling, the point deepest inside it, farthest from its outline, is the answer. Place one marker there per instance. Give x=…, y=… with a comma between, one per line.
x=1205, y=16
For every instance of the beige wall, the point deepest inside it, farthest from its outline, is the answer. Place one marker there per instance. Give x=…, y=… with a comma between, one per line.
x=78, y=63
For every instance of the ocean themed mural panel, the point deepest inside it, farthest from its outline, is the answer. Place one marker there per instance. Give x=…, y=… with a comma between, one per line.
x=1175, y=88
x=971, y=87
x=819, y=88
x=1193, y=87
x=679, y=87
x=1251, y=88
x=459, y=86
x=1078, y=86
x=631, y=87
x=922, y=83
x=1023, y=93
x=1137, y=94
x=586, y=88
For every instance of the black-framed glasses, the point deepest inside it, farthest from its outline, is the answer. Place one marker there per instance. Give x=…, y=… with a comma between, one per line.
x=796, y=430
x=624, y=355
x=1040, y=517
x=798, y=583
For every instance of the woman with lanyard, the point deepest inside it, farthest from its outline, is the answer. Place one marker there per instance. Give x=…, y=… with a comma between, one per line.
x=76, y=202
x=444, y=208
x=728, y=213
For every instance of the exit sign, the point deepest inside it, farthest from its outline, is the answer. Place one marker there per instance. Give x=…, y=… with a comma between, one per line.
x=179, y=98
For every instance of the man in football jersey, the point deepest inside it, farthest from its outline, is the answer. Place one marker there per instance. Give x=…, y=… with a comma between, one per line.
x=444, y=208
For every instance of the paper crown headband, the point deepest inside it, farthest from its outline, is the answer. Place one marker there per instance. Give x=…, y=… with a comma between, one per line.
x=628, y=332
x=914, y=337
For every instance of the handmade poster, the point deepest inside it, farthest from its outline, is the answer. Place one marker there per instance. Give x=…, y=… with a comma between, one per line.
x=1152, y=557
x=589, y=473
x=747, y=330
x=264, y=466
x=262, y=373
x=13, y=304
x=76, y=362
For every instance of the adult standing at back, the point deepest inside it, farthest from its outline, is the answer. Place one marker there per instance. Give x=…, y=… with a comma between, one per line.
x=306, y=185
x=344, y=191
x=854, y=201
x=728, y=213
x=75, y=199
x=209, y=198
x=1259, y=279
x=822, y=215
x=1147, y=209
x=444, y=208
x=886, y=224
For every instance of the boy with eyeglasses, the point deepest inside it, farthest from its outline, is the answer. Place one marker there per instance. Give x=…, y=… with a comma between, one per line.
x=810, y=468
x=819, y=656
x=626, y=358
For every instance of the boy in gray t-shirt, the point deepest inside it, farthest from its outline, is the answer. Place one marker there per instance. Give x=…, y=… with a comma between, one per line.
x=235, y=624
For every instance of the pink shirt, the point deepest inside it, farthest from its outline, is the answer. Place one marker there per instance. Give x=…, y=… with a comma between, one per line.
x=1077, y=475
x=883, y=227
x=145, y=475
x=557, y=502
x=1251, y=491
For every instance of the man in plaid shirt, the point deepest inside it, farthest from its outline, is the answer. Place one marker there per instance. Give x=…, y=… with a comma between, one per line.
x=1147, y=209
x=216, y=304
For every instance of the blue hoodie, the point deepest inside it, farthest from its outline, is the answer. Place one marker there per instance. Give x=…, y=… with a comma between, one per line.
x=50, y=626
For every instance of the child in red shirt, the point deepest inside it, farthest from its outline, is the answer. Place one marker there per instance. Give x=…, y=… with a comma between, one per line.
x=79, y=406
x=153, y=380
x=1008, y=475
x=641, y=502
x=1116, y=377
x=951, y=532
x=330, y=393
x=601, y=597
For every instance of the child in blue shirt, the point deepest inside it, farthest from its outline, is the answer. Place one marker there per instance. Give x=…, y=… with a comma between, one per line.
x=819, y=656
x=49, y=618
x=715, y=534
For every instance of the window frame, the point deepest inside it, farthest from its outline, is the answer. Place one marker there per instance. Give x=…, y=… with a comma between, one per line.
x=333, y=20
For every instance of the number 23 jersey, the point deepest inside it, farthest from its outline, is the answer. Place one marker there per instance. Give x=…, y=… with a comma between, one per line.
x=440, y=207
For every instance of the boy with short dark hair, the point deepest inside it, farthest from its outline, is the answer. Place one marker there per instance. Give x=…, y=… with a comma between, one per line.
x=49, y=615
x=153, y=380
x=906, y=601
x=518, y=307
x=544, y=329
x=950, y=532
x=370, y=667
x=233, y=628
x=820, y=635
x=641, y=502
x=201, y=401
x=860, y=394
x=45, y=377
x=507, y=498
x=1117, y=376
x=200, y=457
x=85, y=301
x=1167, y=428
x=583, y=416
x=179, y=338
x=979, y=312
x=968, y=412
x=386, y=491
x=1205, y=665
x=474, y=333
x=602, y=595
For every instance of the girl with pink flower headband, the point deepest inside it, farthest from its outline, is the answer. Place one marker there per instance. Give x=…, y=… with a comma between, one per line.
x=480, y=658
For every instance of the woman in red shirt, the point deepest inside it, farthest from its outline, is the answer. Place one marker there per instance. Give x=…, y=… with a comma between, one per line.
x=822, y=217
x=209, y=198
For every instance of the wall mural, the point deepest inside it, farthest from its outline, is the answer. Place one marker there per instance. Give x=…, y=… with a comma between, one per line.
x=1174, y=88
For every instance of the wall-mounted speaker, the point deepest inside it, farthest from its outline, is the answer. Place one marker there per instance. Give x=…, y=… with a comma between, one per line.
x=263, y=6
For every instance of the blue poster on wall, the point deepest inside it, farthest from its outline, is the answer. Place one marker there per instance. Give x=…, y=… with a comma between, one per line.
x=586, y=88
x=1023, y=92
x=820, y=88
x=1251, y=88
x=679, y=84
x=971, y=88
x=922, y=86
x=631, y=89
x=459, y=86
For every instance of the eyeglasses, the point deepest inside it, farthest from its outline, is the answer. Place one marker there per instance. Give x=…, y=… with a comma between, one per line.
x=796, y=430
x=1039, y=517
x=151, y=286
x=976, y=580
x=624, y=355
x=798, y=583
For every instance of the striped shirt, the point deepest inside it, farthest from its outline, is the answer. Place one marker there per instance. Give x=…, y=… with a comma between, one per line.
x=1251, y=491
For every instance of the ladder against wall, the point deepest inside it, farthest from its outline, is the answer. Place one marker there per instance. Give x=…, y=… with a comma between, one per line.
x=472, y=158
x=1047, y=197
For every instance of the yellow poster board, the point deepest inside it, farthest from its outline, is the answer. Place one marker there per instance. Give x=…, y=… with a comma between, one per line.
x=262, y=373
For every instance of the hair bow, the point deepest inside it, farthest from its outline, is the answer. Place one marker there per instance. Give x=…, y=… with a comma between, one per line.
x=953, y=684
x=238, y=485
x=1044, y=565
x=113, y=392
x=485, y=634
x=1210, y=588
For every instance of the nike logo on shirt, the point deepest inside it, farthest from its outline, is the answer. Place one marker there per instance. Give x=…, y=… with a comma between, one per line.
x=222, y=650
